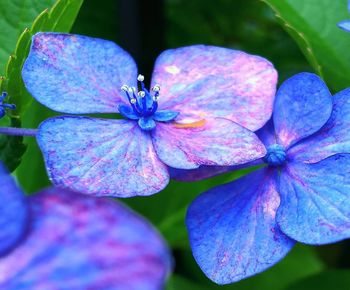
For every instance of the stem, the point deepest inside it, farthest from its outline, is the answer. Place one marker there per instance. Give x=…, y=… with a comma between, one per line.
x=18, y=131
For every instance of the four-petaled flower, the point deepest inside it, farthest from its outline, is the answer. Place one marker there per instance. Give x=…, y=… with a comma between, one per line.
x=302, y=194
x=201, y=101
x=4, y=106
x=345, y=24
x=59, y=240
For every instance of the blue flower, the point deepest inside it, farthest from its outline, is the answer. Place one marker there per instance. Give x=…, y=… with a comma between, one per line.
x=4, y=106
x=201, y=100
x=302, y=193
x=59, y=240
x=345, y=24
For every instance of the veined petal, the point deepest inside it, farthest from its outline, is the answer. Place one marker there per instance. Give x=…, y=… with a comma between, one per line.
x=315, y=200
x=207, y=81
x=77, y=242
x=78, y=74
x=13, y=212
x=303, y=105
x=208, y=142
x=101, y=157
x=332, y=138
x=232, y=228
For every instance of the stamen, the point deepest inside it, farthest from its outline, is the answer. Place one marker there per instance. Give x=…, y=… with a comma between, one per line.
x=140, y=78
x=124, y=88
x=144, y=103
x=156, y=88
x=141, y=94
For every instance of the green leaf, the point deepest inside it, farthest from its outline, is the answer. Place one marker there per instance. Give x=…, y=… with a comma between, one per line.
x=331, y=279
x=313, y=25
x=11, y=147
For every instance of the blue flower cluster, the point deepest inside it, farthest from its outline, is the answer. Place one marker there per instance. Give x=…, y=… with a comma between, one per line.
x=209, y=110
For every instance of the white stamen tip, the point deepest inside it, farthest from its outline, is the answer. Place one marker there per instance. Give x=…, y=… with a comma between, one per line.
x=140, y=78
x=133, y=101
x=124, y=88
x=133, y=89
x=156, y=88
x=141, y=94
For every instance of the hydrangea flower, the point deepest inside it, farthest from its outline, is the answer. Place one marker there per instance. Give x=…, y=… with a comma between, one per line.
x=201, y=98
x=70, y=241
x=302, y=193
x=4, y=106
x=345, y=24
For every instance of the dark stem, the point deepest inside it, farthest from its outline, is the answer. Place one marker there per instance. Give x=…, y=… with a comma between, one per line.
x=18, y=131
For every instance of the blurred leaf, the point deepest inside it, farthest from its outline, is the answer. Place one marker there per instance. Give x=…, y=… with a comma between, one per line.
x=247, y=25
x=331, y=279
x=301, y=262
x=11, y=147
x=313, y=25
x=98, y=20
x=177, y=282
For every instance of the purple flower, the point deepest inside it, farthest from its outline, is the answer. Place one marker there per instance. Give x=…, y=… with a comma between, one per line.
x=200, y=94
x=345, y=24
x=70, y=241
x=301, y=194
x=4, y=106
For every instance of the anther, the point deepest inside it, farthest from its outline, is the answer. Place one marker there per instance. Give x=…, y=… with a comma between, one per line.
x=140, y=78
x=133, y=101
x=124, y=88
x=141, y=94
x=156, y=88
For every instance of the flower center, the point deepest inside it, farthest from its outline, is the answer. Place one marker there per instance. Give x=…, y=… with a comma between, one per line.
x=143, y=106
x=276, y=155
x=4, y=106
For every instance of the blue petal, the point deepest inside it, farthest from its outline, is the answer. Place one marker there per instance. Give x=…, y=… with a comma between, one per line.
x=128, y=112
x=165, y=115
x=78, y=74
x=77, y=242
x=333, y=138
x=345, y=25
x=13, y=212
x=267, y=134
x=101, y=156
x=303, y=105
x=232, y=228
x=147, y=124
x=204, y=80
x=315, y=200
